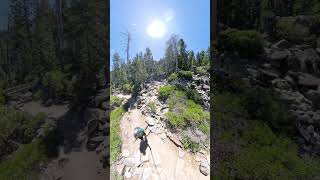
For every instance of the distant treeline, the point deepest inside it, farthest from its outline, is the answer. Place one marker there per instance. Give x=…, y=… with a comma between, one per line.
x=62, y=47
x=129, y=76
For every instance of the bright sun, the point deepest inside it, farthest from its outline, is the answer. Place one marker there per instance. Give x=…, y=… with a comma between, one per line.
x=156, y=29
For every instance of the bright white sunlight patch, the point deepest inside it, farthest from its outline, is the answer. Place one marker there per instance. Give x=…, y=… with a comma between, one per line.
x=156, y=29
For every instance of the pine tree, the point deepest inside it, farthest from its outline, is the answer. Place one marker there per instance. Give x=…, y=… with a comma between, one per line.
x=21, y=40
x=116, y=70
x=44, y=51
x=171, y=54
x=139, y=73
x=191, y=59
x=183, y=56
x=148, y=59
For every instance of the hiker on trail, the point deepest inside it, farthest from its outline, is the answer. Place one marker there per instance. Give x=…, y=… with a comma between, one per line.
x=139, y=133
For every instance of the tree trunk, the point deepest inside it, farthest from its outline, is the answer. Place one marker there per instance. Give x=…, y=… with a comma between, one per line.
x=60, y=33
x=26, y=17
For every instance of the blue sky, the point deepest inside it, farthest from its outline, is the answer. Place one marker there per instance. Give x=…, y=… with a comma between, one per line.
x=4, y=8
x=190, y=19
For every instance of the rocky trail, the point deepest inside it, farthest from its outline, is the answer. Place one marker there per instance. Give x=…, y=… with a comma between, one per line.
x=161, y=156
x=82, y=133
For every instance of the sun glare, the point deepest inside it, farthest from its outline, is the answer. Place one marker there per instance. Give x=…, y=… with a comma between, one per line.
x=156, y=29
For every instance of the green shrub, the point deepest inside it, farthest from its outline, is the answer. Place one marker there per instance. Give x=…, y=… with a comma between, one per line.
x=189, y=144
x=115, y=136
x=266, y=156
x=183, y=110
x=20, y=125
x=248, y=43
x=165, y=91
x=202, y=70
x=310, y=7
x=204, y=127
x=185, y=75
x=194, y=95
x=195, y=113
x=116, y=101
x=54, y=80
x=152, y=106
x=127, y=88
x=173, y=77
x=37, y=95
x=227, y=136
x=290, y=30
x=24, y=163
x=2, y=97
x=175, y=119
x=227, y=108
x=263, y=104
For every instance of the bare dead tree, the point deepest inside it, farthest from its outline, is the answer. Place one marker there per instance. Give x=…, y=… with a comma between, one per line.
x=127, y=37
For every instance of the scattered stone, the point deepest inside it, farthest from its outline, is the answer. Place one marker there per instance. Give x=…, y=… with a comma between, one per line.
x=181, y=153
x=305, y=118
x=125, y=153
x=130, y=162
x=127, y=175
x=153, y=129
x=267, y=76
x=304, y=134
x=175, y=139
x=205, y=87
x=157, y=160
x=105, y=105
x=308, y=81
x=204, y=167
x=278, y=56
x=94, y=113
x=281, y=84
x=94, y=142
x=150, y=121
x=147, y=173
x=137, y=158
x=197, y=157
x=282, y=44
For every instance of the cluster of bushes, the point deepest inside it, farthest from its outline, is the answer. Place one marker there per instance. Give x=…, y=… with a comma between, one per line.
x=191, y=94
x=310, y=7
x=264, y=155
x=115, y=101
x=165, y=91
x=257, y=120
x=173, y=77
x=115, y=136
x=202, y=70
x=55, y=83
x=2, y=97
x=189, y=144
x=152, y=106
x=127, y=88
x=19, y=125
x=25, y=162
x=248, y=43
x=185, y=75
x=252, y=103
x=183, y=111
x=291, y=30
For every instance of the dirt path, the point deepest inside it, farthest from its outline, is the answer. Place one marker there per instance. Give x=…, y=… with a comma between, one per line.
x=165, y=161
x=76, y=164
